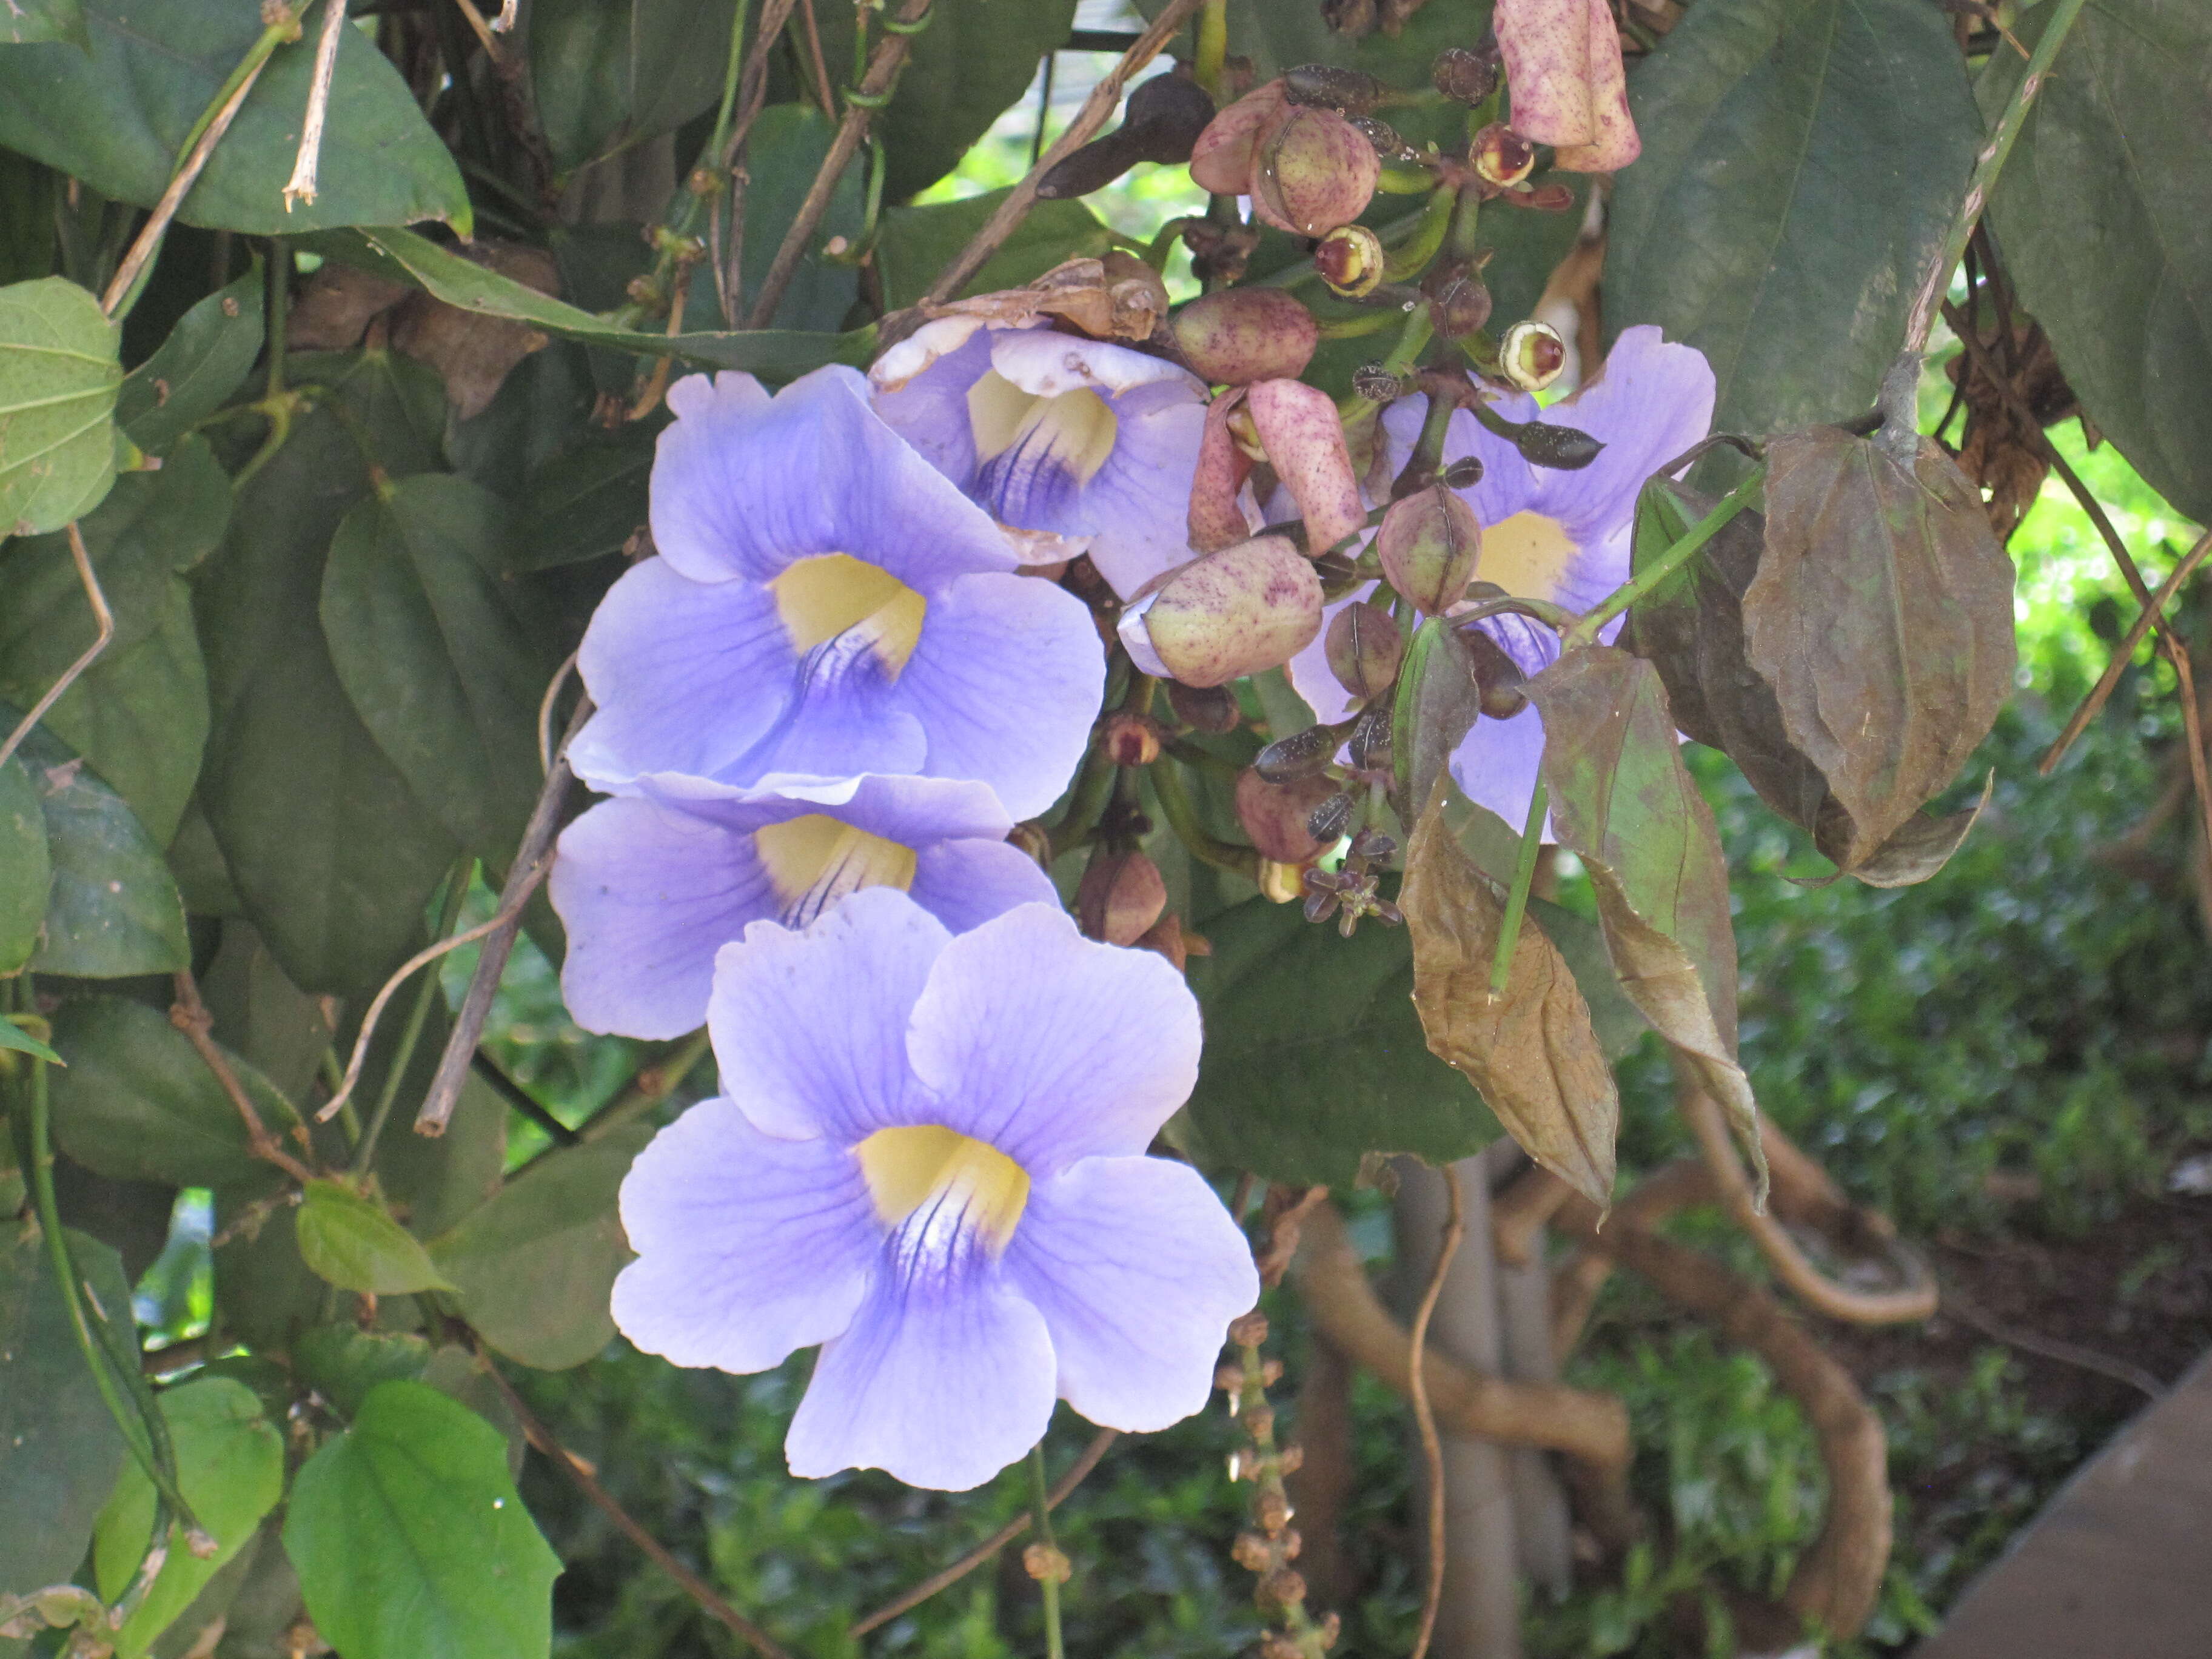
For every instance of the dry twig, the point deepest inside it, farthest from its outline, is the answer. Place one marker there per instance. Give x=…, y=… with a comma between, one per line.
x=101, y=616
x=1424, y=1419
x=190, y=1015
x=305, y=166
x=2124, y=652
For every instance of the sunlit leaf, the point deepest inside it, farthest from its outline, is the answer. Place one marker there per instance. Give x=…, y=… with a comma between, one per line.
x=351, y=1241
x=26, y=873
x=59, y=373
x=29, y=22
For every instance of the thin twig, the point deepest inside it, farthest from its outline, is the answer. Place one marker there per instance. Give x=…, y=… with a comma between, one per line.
x=653, y=1084
x=2050, y=1347
x=445, y=1091
x=1097, y=110
x=286, y=26
x=301, y=188
x=101, y=616
x=1425, y=1419
x=546, y=705
x=190, y=1015
x=579, y=1471
x=821, y=66
x=883, y=66
x=2124, y=654
x=915, y=1595
x=515, y=896
x=752, y=93
x=483, y=30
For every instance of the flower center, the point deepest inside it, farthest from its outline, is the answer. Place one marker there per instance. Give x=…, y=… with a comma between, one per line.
x=1526, y=554
x=959, y=1183
x=814, y=860
x=832, y=595
x=1073, y=431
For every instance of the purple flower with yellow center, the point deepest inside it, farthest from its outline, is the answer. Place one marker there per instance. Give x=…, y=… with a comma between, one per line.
x=928, y=1158
x=1547, y=533
x=825, y=604
x=1093, y=443
x=651, y=886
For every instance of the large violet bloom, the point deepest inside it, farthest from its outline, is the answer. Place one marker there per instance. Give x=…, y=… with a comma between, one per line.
x=1548, y=534
x=650, y=887
x=1091, y=442
x=929, y=1159
x=825, y=603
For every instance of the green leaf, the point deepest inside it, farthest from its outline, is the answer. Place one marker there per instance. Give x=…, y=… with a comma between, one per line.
x=779, y=354
x=434, y=647
x=1314, y=1055
x=331, y=854
x=139, y=713
x=343, y=1362
x=230, y=1467
x=138, y=1103
x=587, y=503
x=26, y=873
x=788, y=144
x=679, y=50
x=349, y=1240
x=59, y=1449
x=14, y=1037
x=536, y=1265
x=1802, y=159
x=29, y=22
x=113, y=909
x=916, y=243
x=411, y=1542
x=117, y=119
x=59, y=372
x=2104, y=216
x=608, y=76
x=201, y=362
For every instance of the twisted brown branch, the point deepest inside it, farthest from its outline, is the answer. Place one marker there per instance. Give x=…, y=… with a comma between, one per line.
x=1432, y=1446
x=104, y=620
x=190, y=1015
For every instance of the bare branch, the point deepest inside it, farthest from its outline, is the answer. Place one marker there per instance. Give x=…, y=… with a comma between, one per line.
x=190, y=1015
x=301, y=187
x=1433, y=1445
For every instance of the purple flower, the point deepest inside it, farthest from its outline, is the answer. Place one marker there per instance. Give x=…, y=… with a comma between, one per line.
x=928, y=1158
x=1094, y=443
x=650, y=887
x=1548, y=534
x=825, y=603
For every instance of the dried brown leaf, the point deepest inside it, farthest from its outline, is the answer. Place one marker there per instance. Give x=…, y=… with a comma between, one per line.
x=1531, y=1052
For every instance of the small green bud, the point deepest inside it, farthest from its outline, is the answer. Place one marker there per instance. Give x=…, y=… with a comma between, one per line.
x=1429, y=542
x=1532, y=355
x=1364, y=647
x=1501, y=156
x=1350, y=260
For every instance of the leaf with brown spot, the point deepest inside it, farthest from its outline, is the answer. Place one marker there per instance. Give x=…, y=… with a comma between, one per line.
x=1882, y=617
x=1530, y=1053
x=1623, y=802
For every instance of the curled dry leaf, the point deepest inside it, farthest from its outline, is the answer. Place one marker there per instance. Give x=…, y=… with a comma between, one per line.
x=1531, y=1052
x=1881, y=616
x=1119, y=297
x=1623, y=802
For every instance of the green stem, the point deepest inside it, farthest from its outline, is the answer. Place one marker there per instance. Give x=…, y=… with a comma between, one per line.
x=732, y=70
x=457, y=892
x=1041, y=1508
x=652, y=1085
x=1517, y=901
x=142, y=1430
x=1212, y=52
x=1182, y=818
x=1668, y=563
x=1411, y=256
x=280, y=298
x=1461, y=240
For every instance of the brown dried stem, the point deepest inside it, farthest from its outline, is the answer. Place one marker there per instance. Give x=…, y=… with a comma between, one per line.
x=445, y=1091
x=578, y=1470
x=944, y=1578
x=1096, y=109
x=2153, y=608
x=1424, y=1419
x=883, y=66
x=752, y=93
x=190, y=1015
x=1591, y=1429
x=1519, y=1215
x=105, y=620
x=306, y=164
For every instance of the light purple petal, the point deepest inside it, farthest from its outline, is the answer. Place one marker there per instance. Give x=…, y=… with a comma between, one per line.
x=943, y=1376
x=1051, y=1047
x=1652, y=402
x=1507, y=484
x=1138, y=1270
x=906, y=809
x=929, y=407
x=1310, y=674
x=963, y=884
x=749, y=1248
x=660, y=651
x=741, y=489
x=1496, y=764
x=810, y=1029
x=648, y=894
x=1007, y=680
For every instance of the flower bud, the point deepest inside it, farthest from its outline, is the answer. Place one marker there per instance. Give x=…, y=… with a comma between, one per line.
x=1464, y=473
x=1347, y=91
x=1328, y=822
x=1350, y=260
x=1369, y=746
x=1274, y=815
x=1046, y=1564
x=1563, y=448
x=1300, y=755
x=1314, y=171
x=1428, y=544
x=1465, y=76
x=1459, y=303
x=1501, y=156
x=1208, y=708
x=1167, y=939
x=1364, y=647
x=1120, y=897
x=1129, y=739
x=1496, y=675
x=1281, y=883
x=1377, y=383
x=1249, y=1330
x=1244, y=609
x=1532, y=355
x=1245, y=334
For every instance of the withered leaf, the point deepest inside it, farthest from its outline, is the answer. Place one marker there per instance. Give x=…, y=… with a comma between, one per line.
x=1623, y=802
x=1882, y=617
x=1531, y=1052
x=1922, y=847
x=1437, y=701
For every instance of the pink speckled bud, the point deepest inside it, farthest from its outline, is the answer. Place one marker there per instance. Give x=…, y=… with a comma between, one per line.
x=1245, y=334
x=1429, y=542
x=1243, y=611
x=1313, y=171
